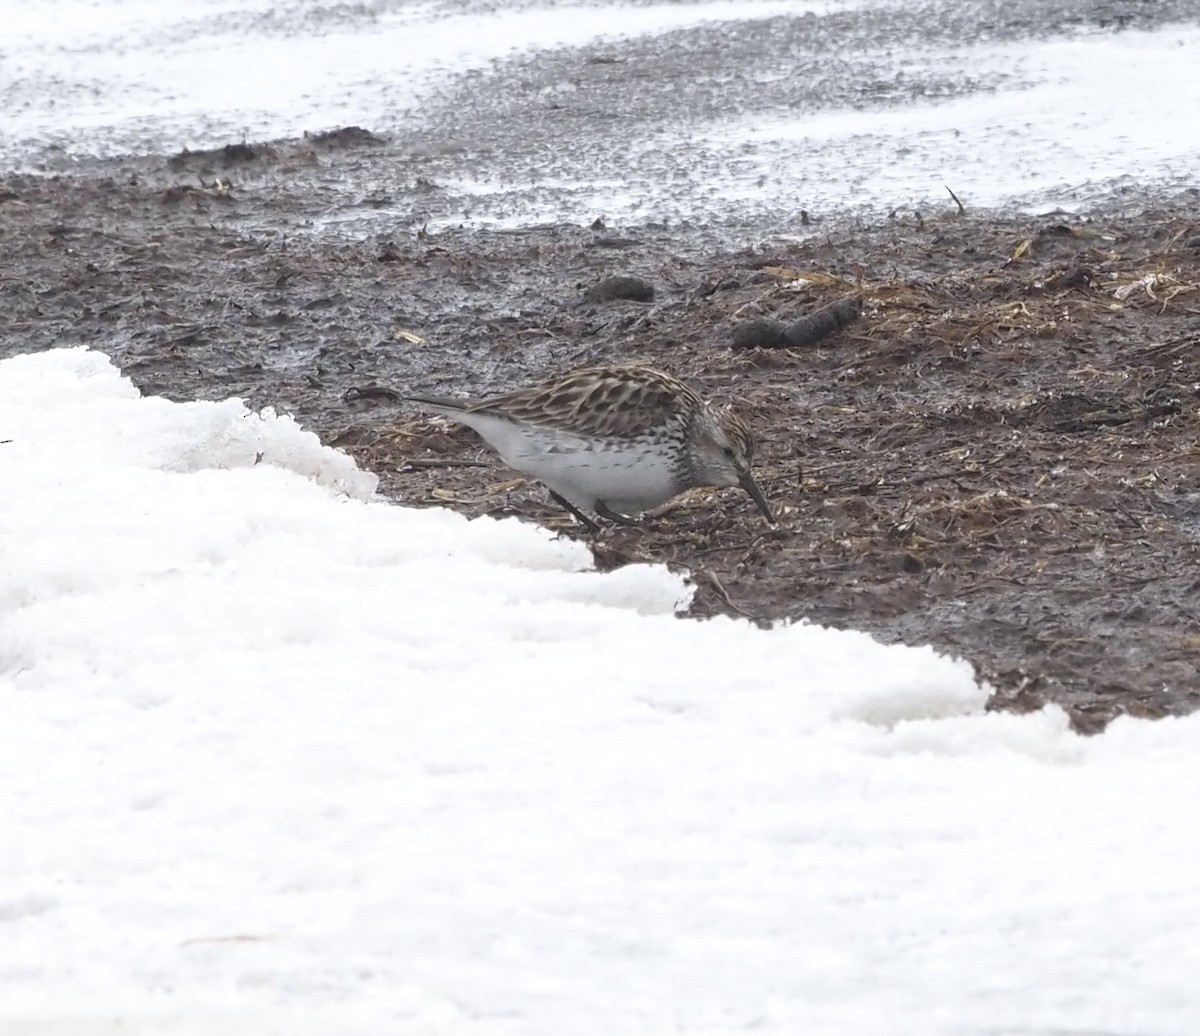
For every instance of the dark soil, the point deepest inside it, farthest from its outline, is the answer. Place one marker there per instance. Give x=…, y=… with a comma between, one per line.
x=1000, y=456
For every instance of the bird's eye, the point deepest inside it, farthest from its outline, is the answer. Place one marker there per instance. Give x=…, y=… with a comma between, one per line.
x=728, y=451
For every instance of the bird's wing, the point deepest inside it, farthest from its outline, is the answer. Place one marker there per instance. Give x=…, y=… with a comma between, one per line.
x=596, y=403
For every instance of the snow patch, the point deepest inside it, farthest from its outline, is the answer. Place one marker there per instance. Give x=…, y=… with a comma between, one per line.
x=280, y=756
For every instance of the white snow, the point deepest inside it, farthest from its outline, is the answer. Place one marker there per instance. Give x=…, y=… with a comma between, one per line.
x=1069, y=113
x=113, y=76
x=279, y=757
x=1055, y=122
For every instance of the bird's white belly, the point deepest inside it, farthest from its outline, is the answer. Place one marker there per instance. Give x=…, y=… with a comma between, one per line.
x=627, y=477
x=626, y=481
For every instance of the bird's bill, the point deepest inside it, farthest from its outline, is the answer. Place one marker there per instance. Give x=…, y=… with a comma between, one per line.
x=756, y=494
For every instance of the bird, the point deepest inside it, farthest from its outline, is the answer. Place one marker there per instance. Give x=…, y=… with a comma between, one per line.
x=616, y=441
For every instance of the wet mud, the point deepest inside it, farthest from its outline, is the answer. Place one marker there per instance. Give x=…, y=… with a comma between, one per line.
x=995, y=448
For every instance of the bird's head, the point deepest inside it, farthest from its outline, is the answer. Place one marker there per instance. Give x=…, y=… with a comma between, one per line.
x=723, y=451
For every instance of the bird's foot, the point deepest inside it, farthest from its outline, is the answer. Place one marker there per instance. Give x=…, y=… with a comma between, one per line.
x=604, y=511
x=577, y=514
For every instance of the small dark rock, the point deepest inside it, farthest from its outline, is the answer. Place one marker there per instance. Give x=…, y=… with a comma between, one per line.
x=346, y=136
x=756, y=334
x=610, y=288
x=821, y=323
x=232, y=154
x=221, y=157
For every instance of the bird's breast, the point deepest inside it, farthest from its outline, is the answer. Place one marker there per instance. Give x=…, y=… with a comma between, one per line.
x=629, y=475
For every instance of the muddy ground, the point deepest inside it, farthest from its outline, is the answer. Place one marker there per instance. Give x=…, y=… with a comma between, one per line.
x=1000, y=457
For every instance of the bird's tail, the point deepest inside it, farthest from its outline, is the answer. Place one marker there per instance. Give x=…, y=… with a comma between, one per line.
x=439, y=404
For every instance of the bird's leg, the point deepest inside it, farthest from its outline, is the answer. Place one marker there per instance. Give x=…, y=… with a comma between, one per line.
x=604, y=511
x=592, y=527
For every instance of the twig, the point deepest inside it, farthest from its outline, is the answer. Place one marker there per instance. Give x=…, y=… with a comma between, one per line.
x=721, y=592
x=1171, y=243
x=1107, y=418
x=1172, y=346
x=438, y=462
x=961, y=209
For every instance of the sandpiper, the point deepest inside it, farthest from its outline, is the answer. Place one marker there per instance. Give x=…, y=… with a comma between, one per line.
x=613, y=440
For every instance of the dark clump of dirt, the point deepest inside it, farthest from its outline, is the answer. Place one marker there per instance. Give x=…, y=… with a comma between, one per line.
x=618, y=287
x=1000, y=456
x=346, y=136
x=221, y=157
x=807, y=330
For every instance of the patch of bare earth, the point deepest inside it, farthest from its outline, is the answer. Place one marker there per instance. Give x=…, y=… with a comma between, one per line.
x=1000, y=456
